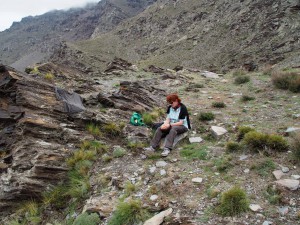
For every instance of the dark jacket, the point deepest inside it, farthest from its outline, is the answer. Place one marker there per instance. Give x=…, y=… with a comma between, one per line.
x=183, y=113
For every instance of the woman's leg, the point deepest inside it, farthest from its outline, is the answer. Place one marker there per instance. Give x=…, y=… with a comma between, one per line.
x=159, y=134
x=172, y=134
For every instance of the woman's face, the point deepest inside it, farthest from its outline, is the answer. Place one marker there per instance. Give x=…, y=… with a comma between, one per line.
x=175, y=104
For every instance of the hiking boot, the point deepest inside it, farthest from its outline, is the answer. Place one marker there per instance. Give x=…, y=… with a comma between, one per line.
x=149, y=149
x=166, y=152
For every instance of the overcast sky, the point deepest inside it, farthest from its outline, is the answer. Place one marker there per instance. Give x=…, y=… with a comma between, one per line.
x=15, y=10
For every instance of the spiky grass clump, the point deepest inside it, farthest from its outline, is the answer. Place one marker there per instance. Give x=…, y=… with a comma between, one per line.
x=81, y=155
x=242, y=131
x=256, y=141
x=233, y=202
x=97, y=146
x=218, y=105
x=129, y=188
x=241, y=79
x=273, y=195
x=247, y=98
x=194, y=151
x=150, y=117
x=223, y=164
x=87, y=219
x=232, y=146
x=264, y=167
x=94, y=130
x=119, y=152
x=56, y=196
x=206, y=116
x=49, y=76
x=287, y=80
x=112, y=129
x=128, y=213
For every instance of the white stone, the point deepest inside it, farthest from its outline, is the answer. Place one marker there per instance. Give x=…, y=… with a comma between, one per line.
x=159, y=218
x=243, y=157
x=152, y=169
x=195, y=139
x=278, y=174
x=153, y=197
x=255, y=207
x=289, y=183
x=163, y=172
x=208, y=74
x=218, y=131
x=197, y=180
x=246, y=170
x=161, y=164
x=283, y=210
x=295, y=177
x=284, y=169
x=292, y=129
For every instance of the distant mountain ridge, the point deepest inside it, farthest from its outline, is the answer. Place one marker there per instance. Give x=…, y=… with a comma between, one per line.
x=37, y=37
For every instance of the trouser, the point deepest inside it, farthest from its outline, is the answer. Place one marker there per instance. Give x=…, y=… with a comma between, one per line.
x=170, y=135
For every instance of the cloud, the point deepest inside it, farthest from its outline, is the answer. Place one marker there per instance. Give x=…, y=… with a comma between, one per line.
x=14, y=10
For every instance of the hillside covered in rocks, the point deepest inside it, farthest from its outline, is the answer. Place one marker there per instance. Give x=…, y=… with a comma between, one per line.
x=63, y=167
x=69, y=154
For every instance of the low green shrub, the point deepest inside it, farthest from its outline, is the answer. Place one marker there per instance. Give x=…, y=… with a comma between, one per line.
x=194, y=151
x=206, y=116
x=119, y=152
x=128, y=213
x=246, y=98
x=112, y=129
x=233, y=202
x=286, y=80
x=232, y=146
x=261, y=142
x=241, y=79
x=242, y=131
x=218, y=105
x=87, y=219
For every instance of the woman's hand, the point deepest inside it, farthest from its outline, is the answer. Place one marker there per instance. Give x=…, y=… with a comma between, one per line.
x=165, y=126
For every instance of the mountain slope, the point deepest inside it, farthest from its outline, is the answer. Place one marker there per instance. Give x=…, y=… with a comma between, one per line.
x=35, y=38
x=217, y=35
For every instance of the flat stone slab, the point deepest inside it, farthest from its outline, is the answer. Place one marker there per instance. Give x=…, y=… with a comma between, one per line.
x=292, y=129
x=278, y=174
x=218, y=131
x=289, y=183
x=159, y=218
x=161, y=164
x=195, y=139
x=197, y=180
x=255, y=207
x=209, y=74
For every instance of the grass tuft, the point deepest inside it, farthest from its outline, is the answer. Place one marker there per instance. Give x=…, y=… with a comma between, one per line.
x=232, y=146
x=206, y=116
x=233, y=202
x=87, y=219
x=112, y=129
x=295, y=146
x=94, y=130
x=128, y=213
x=264, y=167
x=286, y=80
x=242, y=131
x=241, y=79
x=218, y=105
x=194, y=151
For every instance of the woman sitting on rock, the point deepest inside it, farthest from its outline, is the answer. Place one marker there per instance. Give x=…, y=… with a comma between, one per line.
x=177, y=122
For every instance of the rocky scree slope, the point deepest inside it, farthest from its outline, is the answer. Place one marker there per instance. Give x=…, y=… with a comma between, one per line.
x=35, y=38
x=216, y=35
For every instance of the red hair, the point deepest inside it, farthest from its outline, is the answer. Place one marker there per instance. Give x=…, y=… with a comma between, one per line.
x=172, y=98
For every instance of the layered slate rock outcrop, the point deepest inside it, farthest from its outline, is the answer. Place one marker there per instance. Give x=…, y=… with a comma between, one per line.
x=37, y=135
x=35, y=138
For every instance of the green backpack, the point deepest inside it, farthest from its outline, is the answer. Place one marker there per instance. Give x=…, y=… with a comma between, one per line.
x=136, y=119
